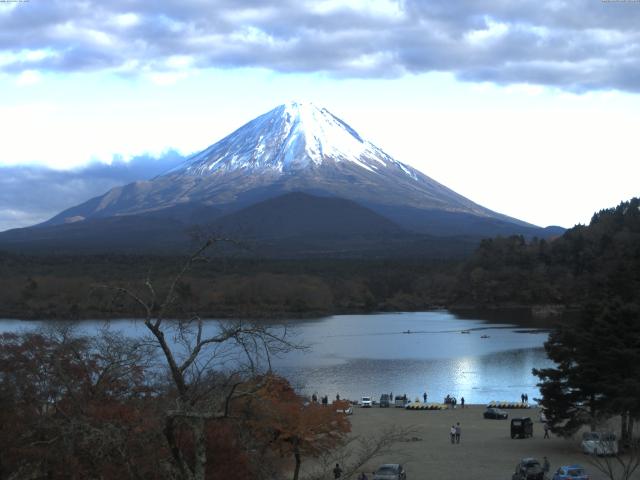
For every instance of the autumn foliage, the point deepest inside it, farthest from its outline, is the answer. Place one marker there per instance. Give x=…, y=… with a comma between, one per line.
x=75, y=408
x=292, y=426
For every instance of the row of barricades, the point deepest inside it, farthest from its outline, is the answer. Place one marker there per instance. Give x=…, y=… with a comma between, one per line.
x=426, y=406
x=495, y=404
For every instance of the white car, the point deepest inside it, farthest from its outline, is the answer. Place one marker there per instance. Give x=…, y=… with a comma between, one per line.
x=366, y=402
x=599, y=443
x=542, y=416
x=348, y=410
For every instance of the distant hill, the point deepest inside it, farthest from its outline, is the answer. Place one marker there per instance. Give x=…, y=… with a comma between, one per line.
x=292, y=225
x=299, y=214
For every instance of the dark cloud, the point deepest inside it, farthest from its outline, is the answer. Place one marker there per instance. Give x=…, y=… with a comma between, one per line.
x=577, y=45
x=30, y=195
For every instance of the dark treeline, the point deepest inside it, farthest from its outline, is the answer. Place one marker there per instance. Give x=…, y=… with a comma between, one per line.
x=598, y=261
x=72, y=286
x=587, y=262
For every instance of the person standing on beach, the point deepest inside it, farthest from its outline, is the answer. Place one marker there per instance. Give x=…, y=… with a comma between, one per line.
x=452, y=434
x=462, y=402
x=337, y=472
x=545, y=466
x=522, y=398
x=546, y=430
x=458, y=432
x=424, y=396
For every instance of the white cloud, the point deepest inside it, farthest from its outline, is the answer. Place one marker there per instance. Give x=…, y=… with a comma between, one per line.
x=493, y=31
x=28, y=77
x=544, y=42
x=126, y=20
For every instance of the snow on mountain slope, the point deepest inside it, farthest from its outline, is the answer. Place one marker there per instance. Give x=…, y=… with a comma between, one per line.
x=288, y=138
x=294, y=147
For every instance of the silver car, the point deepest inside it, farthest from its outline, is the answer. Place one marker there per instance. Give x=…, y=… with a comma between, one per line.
x=599, y=443
x=390, y=471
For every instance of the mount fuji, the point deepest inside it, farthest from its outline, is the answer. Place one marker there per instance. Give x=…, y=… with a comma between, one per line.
x=286, y=167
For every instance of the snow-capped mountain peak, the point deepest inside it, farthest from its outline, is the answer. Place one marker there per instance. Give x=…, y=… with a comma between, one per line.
x=296, y=147
x=291, y=137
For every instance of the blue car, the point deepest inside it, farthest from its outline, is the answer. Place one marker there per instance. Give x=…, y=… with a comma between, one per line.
x=571, y=472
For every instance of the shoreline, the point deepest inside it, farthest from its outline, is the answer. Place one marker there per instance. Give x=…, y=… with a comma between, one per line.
x=518, y=315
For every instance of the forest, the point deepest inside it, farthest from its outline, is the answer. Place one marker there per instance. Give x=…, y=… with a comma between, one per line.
x=587, y=261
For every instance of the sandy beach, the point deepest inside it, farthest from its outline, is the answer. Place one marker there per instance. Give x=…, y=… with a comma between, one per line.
x=486, y=450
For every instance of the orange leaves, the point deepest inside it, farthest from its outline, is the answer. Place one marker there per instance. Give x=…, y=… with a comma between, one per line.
x=290, y=424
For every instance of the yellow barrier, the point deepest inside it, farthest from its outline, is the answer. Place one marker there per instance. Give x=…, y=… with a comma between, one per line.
x=502, y=404
x=425, y=406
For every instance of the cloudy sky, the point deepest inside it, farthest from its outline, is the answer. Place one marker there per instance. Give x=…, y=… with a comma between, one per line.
x=530, y=108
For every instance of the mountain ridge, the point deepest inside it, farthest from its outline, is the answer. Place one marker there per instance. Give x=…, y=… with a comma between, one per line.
x=294, y=149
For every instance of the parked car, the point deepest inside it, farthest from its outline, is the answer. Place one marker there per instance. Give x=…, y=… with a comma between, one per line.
x=390, y=471
x=521, y=427
x=571, y=472
x=542, y=416
x=366, y=402
x=345, y=408
x=599, y=443
x=528, y=469
x=495, y=413
x=401, y=401
x=384, y=400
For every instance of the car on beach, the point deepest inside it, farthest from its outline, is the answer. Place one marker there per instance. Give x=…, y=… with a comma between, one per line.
x=495, y=413
x=542, y=416
x=401, y=401
x=599, y=443
x=571, y=472
x=343, y=407
x=528, y=469
x=521, y=427
x=366, y=402
x=390, y=471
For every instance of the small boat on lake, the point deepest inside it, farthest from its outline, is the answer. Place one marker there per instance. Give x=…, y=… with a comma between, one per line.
x=484, y=336
x=465, y=331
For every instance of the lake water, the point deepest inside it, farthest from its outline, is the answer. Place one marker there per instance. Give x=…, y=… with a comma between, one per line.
x=356, y=355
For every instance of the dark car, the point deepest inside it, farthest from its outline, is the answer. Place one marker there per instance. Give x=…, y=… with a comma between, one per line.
x=521, y=427
x=385, y=400
x=401, y=401
x=528, y=469
x=390, y=471
x=495, y=413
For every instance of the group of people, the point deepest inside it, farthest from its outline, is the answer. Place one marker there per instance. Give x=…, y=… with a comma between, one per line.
x=524, y=398
x=453, y=401
x=323, y=400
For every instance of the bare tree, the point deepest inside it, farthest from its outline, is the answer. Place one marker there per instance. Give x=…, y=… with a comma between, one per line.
x=619, y=466
x=357, y=451
x=196, y=355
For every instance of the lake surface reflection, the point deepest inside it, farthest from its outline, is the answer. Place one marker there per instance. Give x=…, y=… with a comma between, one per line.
x=356, y=355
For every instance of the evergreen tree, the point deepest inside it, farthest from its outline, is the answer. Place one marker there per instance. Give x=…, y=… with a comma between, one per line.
x=598, y=369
